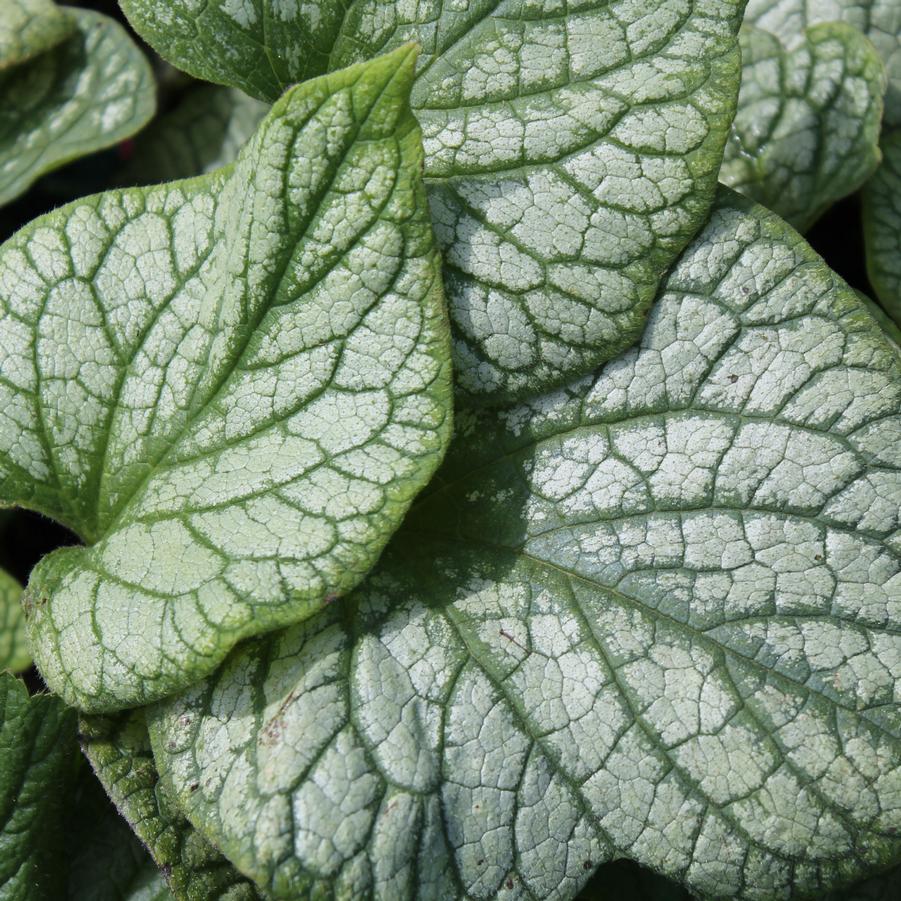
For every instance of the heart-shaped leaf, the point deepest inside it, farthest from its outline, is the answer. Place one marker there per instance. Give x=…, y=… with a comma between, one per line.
x=230, y=387
x=571, y=152
x=29, y=27
x=14, y=653
x=87, y=93
x=655, y=614
x=879, y=20
x=37, y=768
x=807, y=128
x=205, y=131
x=882, y=227
x=119, y=750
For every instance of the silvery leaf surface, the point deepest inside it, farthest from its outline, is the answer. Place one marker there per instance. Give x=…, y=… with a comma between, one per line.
x=90, y=91
x=879, y=20
x=571, y=151
x=231, y=388
x=882, y=227
x=879, y=314
x=655, y=614
x=806, y=132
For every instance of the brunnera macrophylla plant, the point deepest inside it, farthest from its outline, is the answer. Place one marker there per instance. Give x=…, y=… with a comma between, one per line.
x=471, y=494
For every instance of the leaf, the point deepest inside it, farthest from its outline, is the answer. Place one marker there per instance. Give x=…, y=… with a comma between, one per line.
x=87, y=93
x=231, y=388
x=107, y=862
x=205, y=131
x=807, y=128
x=260, y=46
x=654, y=614
x=29, y=27
x=879, y=20
x=570, y=155
x=882, y=227
x=14, y=653
x=36, y=769
x=119, y=750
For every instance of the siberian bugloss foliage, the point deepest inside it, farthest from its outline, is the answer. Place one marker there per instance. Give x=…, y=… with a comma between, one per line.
x=475, y=485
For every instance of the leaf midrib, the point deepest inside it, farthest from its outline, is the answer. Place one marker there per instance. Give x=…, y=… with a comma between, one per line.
x=120, y=512
x=717, y=649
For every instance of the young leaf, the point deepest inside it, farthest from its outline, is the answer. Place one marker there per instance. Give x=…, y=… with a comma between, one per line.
x=119, y=750
x=655, y=614
x=879, y=20
x=807, y=128
x=231, y=387
x=14, y=653
x=87, y=93
x=882, y=227
x=106, y=861
x=205, y=131
x=37, y=737
x=29, y=27
x=571, y=152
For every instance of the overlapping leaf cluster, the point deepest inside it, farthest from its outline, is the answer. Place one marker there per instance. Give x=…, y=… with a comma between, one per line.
x=472, y=494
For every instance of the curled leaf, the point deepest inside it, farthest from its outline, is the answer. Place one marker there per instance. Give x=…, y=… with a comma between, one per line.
x=119, y=750
x=89, y=92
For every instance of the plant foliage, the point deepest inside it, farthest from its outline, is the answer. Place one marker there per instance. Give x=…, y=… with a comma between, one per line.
x=466, y=497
